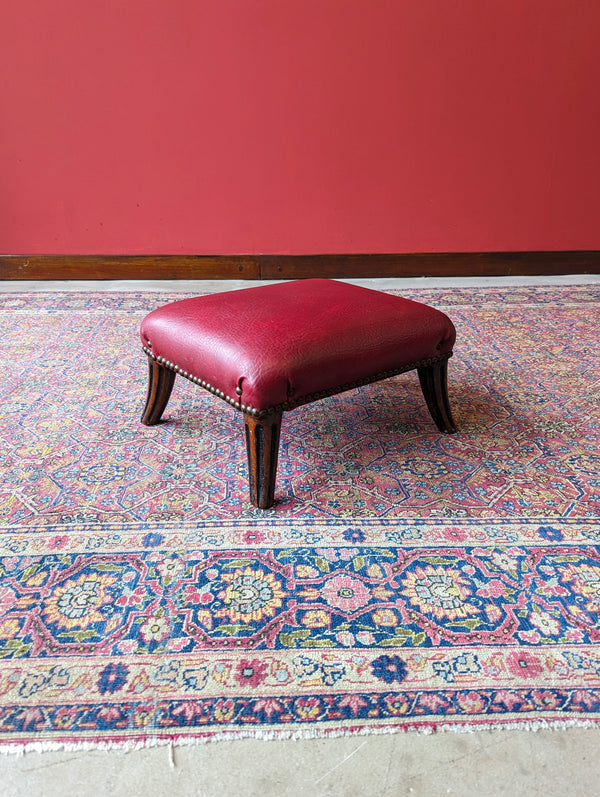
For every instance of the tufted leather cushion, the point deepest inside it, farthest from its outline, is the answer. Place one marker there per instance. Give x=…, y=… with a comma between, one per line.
x=278, y=343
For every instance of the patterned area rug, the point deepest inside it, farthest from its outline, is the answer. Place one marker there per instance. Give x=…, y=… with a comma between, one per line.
x=405, y=579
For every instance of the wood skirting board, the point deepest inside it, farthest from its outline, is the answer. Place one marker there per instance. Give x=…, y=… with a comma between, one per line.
x=270, y=267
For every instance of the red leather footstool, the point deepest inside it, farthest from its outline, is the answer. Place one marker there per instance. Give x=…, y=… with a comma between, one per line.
x=269, y=349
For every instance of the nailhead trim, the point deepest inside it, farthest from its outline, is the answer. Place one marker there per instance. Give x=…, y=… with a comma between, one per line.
x=290, y=405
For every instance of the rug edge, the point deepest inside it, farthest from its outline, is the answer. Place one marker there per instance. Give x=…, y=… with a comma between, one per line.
x=19, y=748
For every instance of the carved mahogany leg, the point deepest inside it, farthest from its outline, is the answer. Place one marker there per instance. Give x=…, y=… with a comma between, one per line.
x=262, y=445
x=160, y=385
x=434, y=384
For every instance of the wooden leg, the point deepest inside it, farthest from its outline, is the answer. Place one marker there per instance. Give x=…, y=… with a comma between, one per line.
x=262, y=445
x=160, y=385
x=434, y=384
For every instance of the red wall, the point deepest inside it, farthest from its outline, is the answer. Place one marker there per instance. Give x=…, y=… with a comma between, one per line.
x=275, y=126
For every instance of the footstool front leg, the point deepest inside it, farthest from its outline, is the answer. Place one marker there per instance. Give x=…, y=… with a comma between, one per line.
x=160, y=385
x=262, y=445
x=434, y=384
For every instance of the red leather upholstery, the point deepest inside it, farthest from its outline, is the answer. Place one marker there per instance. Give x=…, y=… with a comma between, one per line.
x=278, y=343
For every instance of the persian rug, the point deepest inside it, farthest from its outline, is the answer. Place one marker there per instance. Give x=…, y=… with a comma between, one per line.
x=405, y=580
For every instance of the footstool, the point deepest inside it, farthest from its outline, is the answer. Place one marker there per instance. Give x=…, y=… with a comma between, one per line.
x=269, y=349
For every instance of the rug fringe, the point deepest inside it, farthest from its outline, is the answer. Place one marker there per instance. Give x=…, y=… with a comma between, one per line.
x=130, y=745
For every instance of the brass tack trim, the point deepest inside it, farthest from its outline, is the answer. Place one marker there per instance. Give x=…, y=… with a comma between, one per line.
x=308, y=398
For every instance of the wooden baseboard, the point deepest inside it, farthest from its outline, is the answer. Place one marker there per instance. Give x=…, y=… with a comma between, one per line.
x=126, y=267
x=437, y=264
x=253, y=267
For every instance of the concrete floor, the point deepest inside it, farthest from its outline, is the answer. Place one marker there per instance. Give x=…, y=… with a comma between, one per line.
x=485, y=763
x=23, y=286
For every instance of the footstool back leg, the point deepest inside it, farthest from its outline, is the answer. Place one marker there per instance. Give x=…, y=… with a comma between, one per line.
x=262, y=445
x=160, y=385
x=434, y=384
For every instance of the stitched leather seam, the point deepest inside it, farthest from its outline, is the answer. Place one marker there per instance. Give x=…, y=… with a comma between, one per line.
x=308, y=398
